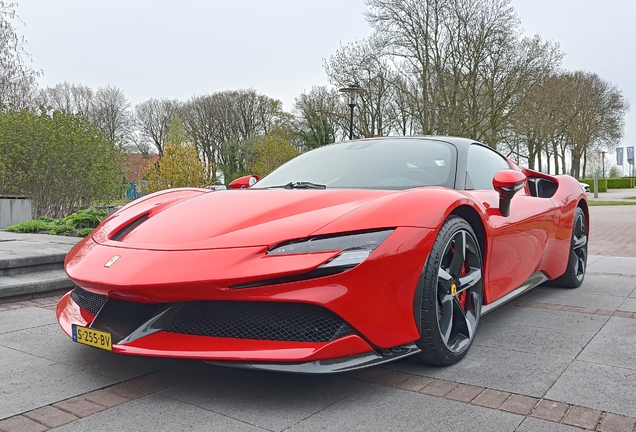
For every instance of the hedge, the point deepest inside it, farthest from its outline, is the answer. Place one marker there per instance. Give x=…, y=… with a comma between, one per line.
x=620, y=183
x=602, y=184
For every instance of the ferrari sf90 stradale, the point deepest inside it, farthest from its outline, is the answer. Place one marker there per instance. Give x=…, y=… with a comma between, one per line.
x=350, y=255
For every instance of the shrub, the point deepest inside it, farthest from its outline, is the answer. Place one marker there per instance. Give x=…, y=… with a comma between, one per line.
x=620, y=183
x=84, y=232
x=62, y=229
x=88, y=218
x=602, y=184
x=31, y=226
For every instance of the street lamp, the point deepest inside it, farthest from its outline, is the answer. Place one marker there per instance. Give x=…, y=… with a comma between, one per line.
x=352, y=92
x=603, y=156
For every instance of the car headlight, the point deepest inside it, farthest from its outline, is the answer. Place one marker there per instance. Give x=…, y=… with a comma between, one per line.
x=354, y=247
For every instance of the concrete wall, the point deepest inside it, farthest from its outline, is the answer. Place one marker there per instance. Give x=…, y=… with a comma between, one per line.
x=14, y=210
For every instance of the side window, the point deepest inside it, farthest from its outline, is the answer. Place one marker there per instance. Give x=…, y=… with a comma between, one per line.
x=483, y=164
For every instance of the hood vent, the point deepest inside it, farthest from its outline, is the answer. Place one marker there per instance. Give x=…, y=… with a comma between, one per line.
x=126, y=229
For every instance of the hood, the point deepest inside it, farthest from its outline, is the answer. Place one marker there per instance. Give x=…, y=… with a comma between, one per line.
x=231, y=219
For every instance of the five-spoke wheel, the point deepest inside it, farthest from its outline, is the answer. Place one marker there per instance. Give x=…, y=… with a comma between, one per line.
x=577, y=261
x=452, y=294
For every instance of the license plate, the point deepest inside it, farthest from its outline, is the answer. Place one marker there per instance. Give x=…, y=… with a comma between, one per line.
x=92, y=337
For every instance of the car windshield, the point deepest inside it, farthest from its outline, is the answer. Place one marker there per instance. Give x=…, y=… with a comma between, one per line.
x=369, y=164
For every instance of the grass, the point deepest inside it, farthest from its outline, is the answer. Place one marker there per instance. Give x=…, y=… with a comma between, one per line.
x=633, y=198
x=610, y=203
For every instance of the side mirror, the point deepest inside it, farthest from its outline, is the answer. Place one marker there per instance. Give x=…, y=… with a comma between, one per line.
x=244, y=182
x=507, y=183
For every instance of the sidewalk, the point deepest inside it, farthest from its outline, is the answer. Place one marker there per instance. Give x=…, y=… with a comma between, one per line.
x=555, y=360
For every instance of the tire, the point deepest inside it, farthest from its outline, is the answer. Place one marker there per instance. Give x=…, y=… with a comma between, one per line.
x=452, y=294
x=577, y=261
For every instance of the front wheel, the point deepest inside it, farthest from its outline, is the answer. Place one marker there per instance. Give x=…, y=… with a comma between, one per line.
x=452, y=294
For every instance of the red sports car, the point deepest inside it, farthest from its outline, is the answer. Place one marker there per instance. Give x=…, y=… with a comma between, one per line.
x=348, y=256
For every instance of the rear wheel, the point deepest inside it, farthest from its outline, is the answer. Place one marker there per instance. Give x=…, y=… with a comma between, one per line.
x=452, y=294
x=577, y=261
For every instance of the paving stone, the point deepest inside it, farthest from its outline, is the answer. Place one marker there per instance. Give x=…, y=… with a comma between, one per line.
x=629, y=305
x=555, y=307
x=28, y=317
x=21, y=424
x=572, y=309
x=624, y=314
x=532, y=424
x=588, y=310
x=491, y=398
x=464, y=393
x=157, y=413
x=616, y=423
x=273, y=401
x=38, y=382
x=79, y=406
x=618, y=265
x=509, y=370
x=393, y=379
x=370, y=374
x=566, y=340
x=379, y=408
x=605, y=388
x=51, y=416
x=614, y=345
x=550, y=410
x=438, y=388
x=519, y=404
x=61, y=349
x=106, y=397
x=569, y=297
x=605, y=312
x=582, y=417
x=415, y=383
x=138, y=387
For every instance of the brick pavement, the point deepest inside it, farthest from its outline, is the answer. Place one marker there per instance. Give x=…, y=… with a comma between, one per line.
x=613, y=231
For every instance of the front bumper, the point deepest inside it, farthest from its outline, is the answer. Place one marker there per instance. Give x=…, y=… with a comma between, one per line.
x=141, y=333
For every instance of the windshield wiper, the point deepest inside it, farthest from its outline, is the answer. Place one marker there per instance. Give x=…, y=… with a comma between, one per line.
x=301, y=185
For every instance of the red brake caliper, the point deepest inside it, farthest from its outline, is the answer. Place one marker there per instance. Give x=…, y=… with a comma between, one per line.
x=461, y=297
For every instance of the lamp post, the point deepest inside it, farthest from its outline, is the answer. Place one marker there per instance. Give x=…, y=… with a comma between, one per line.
x=352, y=92
x=603, y=161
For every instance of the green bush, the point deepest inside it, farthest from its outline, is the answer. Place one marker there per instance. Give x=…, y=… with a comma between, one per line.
x=80, y=223
x=31, y=226
x=62, y=229
x=84, y=232
x=88, y=218
x=620, y=183
x=602, y=184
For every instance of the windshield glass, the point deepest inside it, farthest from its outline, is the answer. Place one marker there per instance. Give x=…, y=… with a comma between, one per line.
x=370, y=164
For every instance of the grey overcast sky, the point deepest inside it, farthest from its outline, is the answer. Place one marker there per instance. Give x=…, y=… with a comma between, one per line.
x=177, y=49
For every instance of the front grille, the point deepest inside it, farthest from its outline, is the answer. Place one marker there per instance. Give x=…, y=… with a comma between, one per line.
x=87, y=300
x=294, y=322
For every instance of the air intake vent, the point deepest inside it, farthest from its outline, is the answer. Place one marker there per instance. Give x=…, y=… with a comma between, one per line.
x=123, y=232
x=87, y=300
x=295, y=322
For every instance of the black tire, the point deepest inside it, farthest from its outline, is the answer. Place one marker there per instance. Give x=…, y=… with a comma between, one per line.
x=577, y=261
x=452, y=294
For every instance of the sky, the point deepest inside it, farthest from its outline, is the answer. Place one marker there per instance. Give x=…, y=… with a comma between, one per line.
x=157, y=48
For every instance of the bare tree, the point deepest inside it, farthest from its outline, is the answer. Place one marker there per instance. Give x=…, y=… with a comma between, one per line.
x=224, y=126
x=154, y=118
x=75, y=99
x=17, y=80
x=113, y=116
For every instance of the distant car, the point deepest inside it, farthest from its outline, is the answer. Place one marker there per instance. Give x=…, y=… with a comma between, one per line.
x=347, y=256
x=585, y=187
